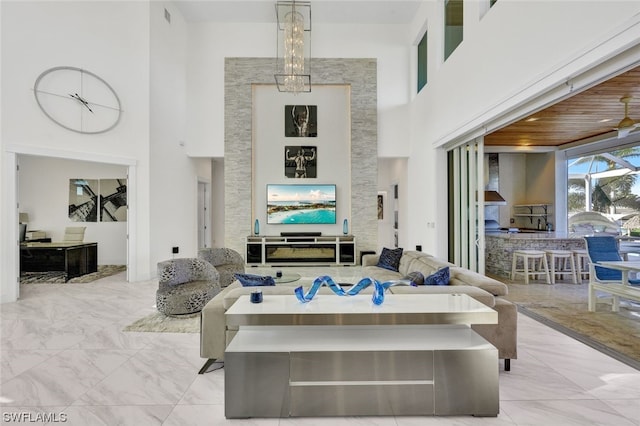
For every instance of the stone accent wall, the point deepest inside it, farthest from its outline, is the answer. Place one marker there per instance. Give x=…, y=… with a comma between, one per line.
x=499, y=248
x=361, y=76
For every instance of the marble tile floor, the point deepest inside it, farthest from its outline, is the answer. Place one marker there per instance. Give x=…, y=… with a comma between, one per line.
x=64, y=357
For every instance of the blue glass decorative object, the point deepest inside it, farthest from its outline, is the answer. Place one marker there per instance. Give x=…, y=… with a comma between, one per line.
x=345, y=227
x=256, y=227
x=256, y=296
x=378, y=291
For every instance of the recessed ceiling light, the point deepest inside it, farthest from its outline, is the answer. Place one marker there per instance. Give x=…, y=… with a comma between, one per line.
x=604, y=120
x=532, y=119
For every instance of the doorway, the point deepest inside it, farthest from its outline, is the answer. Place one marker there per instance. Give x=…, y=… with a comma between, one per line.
x=11, y=274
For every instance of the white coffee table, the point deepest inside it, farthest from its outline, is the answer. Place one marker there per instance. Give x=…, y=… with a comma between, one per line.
x=359, y=310
x=344, y=356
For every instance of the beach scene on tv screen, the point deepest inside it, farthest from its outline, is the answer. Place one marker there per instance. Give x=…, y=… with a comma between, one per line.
x=301, y=204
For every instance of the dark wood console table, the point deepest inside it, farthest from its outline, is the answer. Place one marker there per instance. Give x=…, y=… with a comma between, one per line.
x=75, y=259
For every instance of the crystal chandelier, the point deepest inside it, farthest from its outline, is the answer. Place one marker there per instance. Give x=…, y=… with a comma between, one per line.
x=293, y=51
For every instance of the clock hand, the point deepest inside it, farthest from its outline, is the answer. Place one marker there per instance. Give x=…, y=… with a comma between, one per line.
x=85, y=103
x=82, y=101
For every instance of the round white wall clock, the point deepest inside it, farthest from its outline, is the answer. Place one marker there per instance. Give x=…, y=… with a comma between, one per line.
x=77, y=100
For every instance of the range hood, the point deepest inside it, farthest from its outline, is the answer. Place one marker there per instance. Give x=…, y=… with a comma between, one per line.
x=492, y=198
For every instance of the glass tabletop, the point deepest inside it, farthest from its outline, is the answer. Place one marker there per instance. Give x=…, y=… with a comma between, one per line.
x=288, y=277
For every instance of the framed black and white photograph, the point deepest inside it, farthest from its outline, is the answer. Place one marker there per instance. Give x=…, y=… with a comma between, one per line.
x=381, y=205
x=83, y=200
x=113, y=200
x=301, y=121
x=300, y=162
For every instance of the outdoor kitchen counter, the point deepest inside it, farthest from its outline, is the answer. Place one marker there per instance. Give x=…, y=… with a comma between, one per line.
x=501, y=245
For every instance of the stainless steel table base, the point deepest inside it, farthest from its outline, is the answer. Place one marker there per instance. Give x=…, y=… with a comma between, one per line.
x=291, y=371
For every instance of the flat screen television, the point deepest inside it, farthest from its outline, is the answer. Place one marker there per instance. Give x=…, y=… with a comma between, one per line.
x=294, y=204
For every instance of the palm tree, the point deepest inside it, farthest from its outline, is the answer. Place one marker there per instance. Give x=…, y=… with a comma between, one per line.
x=601, y=202
x=614, y=191
x=576, y=195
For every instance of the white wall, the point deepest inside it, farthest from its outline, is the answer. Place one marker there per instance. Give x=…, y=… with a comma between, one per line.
x=210, y=43
x=333, y=150
x=173, y=192
x=426, y=202
x=526, y=179
x=41, y=35
x=540, y=187
x=44, y=195
x=512, y=170
x=110, y=39
x=131, y=46
x=506, y=53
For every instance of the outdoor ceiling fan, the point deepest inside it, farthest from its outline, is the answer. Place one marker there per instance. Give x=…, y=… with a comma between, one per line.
x=626, y=125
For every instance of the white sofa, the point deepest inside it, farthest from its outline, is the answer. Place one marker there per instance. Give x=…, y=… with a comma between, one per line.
x=482, y=288
x=215, y=335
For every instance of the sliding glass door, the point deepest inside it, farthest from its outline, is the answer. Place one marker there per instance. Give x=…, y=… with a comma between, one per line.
x=466, y=209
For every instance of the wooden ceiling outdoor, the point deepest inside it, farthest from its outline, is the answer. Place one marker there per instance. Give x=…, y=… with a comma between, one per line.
x=580, y=117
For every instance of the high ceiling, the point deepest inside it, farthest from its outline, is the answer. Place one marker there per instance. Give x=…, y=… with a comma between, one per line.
x=329, y=11
x=588, y=114
x=593, y=112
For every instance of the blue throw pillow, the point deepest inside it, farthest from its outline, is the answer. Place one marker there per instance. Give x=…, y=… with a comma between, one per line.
x=439, y=277
x=248, y=280
x=390, y=259
x=415, y=278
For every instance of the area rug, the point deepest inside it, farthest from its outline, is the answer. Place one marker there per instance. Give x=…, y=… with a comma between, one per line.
x=160, y=323
x=564, y=308
x=58, y=277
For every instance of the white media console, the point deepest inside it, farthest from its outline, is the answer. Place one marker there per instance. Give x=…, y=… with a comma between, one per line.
x=301, y=250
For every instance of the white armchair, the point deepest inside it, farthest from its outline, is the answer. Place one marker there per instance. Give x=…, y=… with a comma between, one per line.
x=74, y=233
